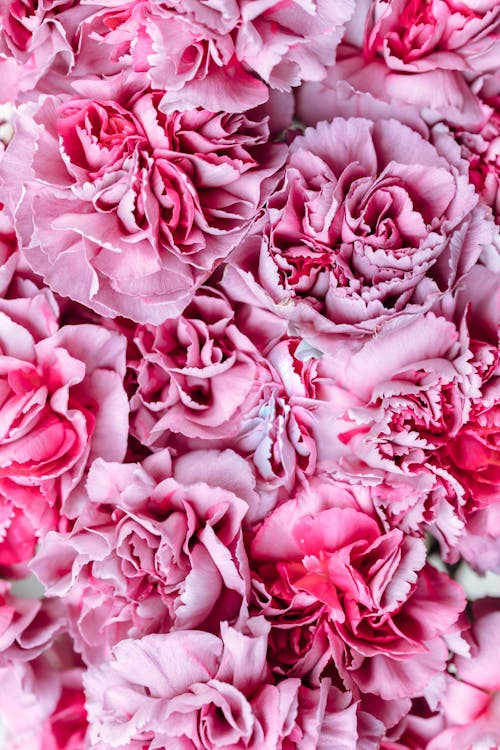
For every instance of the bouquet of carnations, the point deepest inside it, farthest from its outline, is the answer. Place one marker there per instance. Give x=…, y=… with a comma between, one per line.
x=249, y=374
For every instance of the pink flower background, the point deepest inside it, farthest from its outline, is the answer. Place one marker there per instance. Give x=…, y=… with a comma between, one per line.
x=249, y=375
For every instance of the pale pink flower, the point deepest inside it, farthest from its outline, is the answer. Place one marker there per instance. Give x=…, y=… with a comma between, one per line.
x=193, y=64
x=194, y=690
x=372, y=222
x=197, y=375
x=411, y=389
x=126, y=209
x=157, y=547
x=280, y=43
x=425, y=54
x=44, y=47
x=201, y=382
x=438, y=94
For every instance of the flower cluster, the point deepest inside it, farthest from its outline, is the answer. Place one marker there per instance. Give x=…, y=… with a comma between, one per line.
x=249, y=374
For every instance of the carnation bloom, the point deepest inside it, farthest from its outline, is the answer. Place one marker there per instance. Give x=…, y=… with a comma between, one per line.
x=346, y=591
x=63, y=404
x=413, y=413
x=414, y=398
x=372, y=222
x=438, y=94
x=422, y=53
x=418, y=36
x=191, y=689
x=203, y=382
x=157, y=547
x=218, y=55
x=196, y=375
x=128, y=210
x=42, y=41
x=192, y=63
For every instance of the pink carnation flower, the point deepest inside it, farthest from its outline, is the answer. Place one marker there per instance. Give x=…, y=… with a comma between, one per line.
x=416, y=420
x=194, y=64
x=218, y=54
x=42, y=41
x=372, y=222
x=128, y=210
x=438, y=94
x=202, y=383
x=194, y=690
x=411, y=392
x=156, y=548
x=345, y=591
x=197, y=375
x=63, y=404
x=421, y=53
x=418, y=36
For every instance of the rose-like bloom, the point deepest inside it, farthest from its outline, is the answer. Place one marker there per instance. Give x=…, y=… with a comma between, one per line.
x=62, y=405
x=196, y=691
x=418, y=36
x=218, y=54
x=156, y=548
x=471, y=700
x=418, y=420
x=128, y=210
x=371, y=222
x=324, y=570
